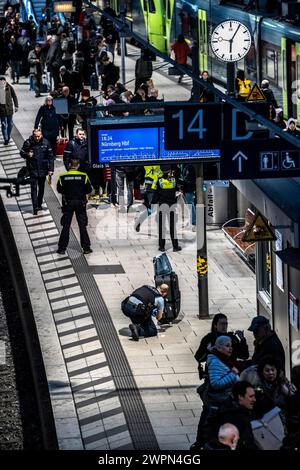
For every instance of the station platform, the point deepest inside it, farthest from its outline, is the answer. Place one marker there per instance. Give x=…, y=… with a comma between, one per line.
x=107, y=391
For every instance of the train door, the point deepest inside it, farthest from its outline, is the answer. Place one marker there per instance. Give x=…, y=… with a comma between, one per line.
x=290, y=73
x=202, y=40
x=155, y=23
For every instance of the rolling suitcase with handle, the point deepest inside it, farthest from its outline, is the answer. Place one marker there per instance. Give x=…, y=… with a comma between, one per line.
x=163, y=273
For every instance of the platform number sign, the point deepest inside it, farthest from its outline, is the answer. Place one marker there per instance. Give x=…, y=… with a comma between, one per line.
x=192, y=126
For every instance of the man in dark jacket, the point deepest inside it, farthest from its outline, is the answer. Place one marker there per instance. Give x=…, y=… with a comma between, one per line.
x=266, y=341
x=54, y=59
x=49, y=122
x=74, y=187
x=40, y=162
x=8, y=100
x=239, y=413
x=110, y=73
x=77, y=149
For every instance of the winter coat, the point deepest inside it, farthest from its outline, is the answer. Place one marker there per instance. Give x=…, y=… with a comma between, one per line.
x=48, y=121
x=54, y=56
x=239, y=347
x=221, y=380
x=270, y=346
x=143, y=68
x=36, y=67
x=75, y=149
x=11, y=100
x=43, y=159
x=181, y=50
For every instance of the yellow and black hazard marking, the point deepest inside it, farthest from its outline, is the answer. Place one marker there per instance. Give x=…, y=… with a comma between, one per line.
x=202, y=266
x=268, y=262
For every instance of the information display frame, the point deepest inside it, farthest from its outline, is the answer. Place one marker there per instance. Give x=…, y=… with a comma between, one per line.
x=137, y=139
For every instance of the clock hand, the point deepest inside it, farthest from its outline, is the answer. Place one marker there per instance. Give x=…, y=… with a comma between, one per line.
x=235, y=33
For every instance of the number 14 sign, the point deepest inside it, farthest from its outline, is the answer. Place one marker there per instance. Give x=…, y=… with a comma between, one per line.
x=192, y=126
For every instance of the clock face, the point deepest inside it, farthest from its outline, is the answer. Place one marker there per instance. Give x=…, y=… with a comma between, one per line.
x=230, y=41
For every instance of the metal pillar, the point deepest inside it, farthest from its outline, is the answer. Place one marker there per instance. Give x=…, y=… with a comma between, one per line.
x=202, y=266
x=122, y=45
x=230, y=78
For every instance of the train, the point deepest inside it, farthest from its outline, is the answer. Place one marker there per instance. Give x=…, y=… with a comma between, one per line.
x=274, y=54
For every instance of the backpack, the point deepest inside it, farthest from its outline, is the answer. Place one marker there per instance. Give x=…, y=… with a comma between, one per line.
x=244, y=87
x=71, y=47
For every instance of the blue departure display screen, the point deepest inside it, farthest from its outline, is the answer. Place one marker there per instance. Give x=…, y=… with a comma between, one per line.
x=128, y=144
x=143, y=143
x=173, y=154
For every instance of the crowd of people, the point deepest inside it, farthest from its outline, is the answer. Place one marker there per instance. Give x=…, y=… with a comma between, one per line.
x=238, y=390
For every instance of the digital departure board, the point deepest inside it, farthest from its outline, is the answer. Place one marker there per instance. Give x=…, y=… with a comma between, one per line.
x=127, y=144
x=136, y=139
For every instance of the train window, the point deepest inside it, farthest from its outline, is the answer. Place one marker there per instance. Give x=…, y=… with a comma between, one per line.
x=271, y=64
x=152, y=8
x=168, y=10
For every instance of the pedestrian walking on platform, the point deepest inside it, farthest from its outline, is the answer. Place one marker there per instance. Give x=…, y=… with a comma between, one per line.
x=39, y=158
x=74, y=186
x=166, y=194
x=8, y=100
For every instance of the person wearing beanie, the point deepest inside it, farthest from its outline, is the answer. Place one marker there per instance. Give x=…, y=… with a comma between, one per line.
x=268, y=93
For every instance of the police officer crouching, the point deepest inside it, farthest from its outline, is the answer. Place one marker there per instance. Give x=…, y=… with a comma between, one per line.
x=141, y=305
x=74, y=186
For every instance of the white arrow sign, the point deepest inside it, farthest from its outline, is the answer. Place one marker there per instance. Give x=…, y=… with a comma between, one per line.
x=240, y=156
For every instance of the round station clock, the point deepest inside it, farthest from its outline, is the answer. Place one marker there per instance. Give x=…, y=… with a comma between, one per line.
x=230, y=41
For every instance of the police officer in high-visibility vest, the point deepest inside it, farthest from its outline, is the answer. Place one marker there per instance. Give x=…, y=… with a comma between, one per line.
x=74, y=186
x=166, y=198
x=152, y=174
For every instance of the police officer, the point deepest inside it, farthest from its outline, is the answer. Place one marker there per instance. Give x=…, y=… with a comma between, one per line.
x=152, y=174
x=166, y=198
x=40, y=162
x=74, y=187
x=141, y=305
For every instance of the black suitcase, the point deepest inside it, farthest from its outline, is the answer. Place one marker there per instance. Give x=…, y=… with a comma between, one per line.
x=173, y=299
x=94, y=82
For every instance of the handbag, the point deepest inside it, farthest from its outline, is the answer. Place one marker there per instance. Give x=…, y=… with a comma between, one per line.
x=61, y=143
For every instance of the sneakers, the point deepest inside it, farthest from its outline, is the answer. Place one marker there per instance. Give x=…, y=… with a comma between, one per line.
x=137, y=227
x=61, y=252
x=35, y=212
x=87, y=251
x=179, y=79
x=134, y=332
x=194, y=228
x=6, y=142
x=177, y=248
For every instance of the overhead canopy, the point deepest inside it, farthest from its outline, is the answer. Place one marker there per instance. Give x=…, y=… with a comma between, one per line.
x=290, y=256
